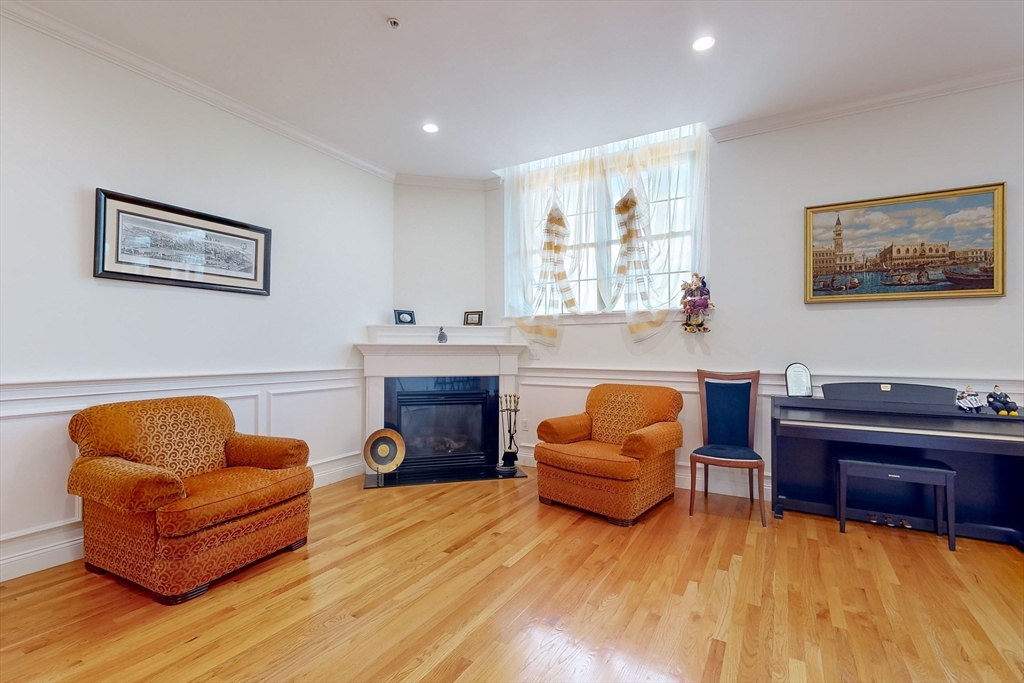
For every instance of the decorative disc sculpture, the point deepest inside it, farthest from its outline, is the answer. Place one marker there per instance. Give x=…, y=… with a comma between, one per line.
x=384, y=451
x=508, y=408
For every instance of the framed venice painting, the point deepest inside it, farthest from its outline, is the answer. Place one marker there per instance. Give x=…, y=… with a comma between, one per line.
x=933, y=245
x=146, y=241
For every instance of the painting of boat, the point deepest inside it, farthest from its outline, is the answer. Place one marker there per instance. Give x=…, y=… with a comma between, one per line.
x=967, y=280
x=943, y=244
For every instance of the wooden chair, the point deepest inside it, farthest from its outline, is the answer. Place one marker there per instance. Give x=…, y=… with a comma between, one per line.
x=728, y=404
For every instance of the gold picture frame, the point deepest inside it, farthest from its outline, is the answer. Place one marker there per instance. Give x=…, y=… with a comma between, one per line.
x=932, y=245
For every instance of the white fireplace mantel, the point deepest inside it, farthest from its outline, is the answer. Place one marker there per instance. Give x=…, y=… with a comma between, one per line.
x=413, y=351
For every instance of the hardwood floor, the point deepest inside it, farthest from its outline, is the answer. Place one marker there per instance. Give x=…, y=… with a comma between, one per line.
x=479, y=582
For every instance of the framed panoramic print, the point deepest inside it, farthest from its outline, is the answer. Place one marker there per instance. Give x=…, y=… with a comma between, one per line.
x=142, y=240
x=933, y=245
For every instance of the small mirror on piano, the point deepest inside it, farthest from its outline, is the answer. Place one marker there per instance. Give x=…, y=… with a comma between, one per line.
x=798, y=380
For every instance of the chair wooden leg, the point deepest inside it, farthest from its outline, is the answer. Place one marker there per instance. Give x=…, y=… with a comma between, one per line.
x=750, y=479
x=705, y=480
x=545, y=501
x=760, y=491
x=693, y=482
x=297, y=544
x=94, y=569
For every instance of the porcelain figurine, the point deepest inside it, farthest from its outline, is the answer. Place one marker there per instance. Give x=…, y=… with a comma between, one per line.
x=442, y=336
x=696, y=304
x=1000, y=402
x=969, y=401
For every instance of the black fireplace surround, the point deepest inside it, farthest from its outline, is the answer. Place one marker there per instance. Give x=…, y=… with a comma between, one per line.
x=450, y=427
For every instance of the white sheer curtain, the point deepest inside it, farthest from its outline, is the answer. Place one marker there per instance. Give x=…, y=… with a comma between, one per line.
x=633, y=260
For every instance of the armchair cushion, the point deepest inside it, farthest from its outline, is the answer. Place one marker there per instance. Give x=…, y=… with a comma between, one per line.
x=218, y=496
x=268, y=452
x=183, y=434
x=566, y=429
x=124, y=485
x=653, y=440
x=619, y=409
x=588, y=457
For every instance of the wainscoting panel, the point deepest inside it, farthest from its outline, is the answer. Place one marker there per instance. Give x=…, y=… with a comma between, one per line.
x=551, y=391
x=40, y=524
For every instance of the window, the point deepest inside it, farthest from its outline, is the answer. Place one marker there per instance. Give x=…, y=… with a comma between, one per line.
x=667, y=174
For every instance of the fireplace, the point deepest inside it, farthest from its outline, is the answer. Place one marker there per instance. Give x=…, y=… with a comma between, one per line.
x=450, y=395
x=447, y=422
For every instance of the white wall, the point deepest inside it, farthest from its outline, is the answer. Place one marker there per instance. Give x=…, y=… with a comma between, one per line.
x=71, y=122
x=759, y=188
x=440, y=254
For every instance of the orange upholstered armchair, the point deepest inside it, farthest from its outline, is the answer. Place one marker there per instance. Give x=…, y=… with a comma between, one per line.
x=174, y=498
x=618, y=458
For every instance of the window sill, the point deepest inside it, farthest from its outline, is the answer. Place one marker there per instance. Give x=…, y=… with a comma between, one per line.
x=614, y=318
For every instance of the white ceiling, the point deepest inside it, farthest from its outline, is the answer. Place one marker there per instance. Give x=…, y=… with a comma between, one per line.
x=514, y=81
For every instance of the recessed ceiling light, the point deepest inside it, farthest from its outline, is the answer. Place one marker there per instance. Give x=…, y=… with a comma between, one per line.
x=430, y=128
x=704, y=43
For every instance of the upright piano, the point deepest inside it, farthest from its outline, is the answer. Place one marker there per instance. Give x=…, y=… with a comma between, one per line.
x=985, y=449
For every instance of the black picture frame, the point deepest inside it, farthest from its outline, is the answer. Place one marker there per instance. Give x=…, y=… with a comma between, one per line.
x=473, y=318
x=117, y=257
x=405, y=317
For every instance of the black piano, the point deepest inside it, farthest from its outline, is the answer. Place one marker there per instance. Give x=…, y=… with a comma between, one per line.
x=985, y=449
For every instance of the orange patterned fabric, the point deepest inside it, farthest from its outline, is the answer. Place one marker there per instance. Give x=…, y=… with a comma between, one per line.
x=628, y=465
x=125, y=544
x=653, y=440
x=167, y=513
x=185, y=435
x=588, y=457
x=180, y=547
x=611, y=497
x=123, y=484
x=618, y=409
x=269, y=452
x=230, y=493
x=564, y=429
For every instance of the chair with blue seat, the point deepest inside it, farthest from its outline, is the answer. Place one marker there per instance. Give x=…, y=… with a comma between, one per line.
x=728, y=403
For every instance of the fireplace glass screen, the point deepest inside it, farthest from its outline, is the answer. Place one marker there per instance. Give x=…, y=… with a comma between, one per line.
x=447, y=422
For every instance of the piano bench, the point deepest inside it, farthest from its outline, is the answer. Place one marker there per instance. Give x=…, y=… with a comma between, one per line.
x=911, y=470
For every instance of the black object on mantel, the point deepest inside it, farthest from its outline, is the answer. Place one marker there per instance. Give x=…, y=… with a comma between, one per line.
x=890, y=393
x=809, y=436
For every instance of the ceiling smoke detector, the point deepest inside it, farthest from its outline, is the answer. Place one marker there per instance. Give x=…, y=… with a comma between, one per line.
x=394, y=23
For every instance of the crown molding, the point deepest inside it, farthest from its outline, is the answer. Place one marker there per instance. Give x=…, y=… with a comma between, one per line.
x=448, y=183
x=50, y=25
x=947, y=86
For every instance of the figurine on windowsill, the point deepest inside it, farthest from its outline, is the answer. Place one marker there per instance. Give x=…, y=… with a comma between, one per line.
x=1000, y=402
x=969, y=401
x=696, y=304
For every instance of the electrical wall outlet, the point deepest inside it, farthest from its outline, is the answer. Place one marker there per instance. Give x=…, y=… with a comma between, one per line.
x=525, y=424
x=534, y=354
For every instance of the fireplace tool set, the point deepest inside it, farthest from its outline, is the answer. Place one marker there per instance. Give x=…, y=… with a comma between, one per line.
x=508, y=408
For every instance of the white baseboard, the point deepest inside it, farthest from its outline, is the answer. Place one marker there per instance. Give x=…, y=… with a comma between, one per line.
x=332, y=470
x=41, y=557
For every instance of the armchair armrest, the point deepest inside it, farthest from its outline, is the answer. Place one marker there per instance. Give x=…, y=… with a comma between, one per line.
x=267, y=452
x=653, y=440
x=124, y=485
x=566, y=429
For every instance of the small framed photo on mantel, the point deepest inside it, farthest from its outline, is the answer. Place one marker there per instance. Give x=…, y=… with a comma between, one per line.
x=473, y=318
x=146, y=241
x=405, y=317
